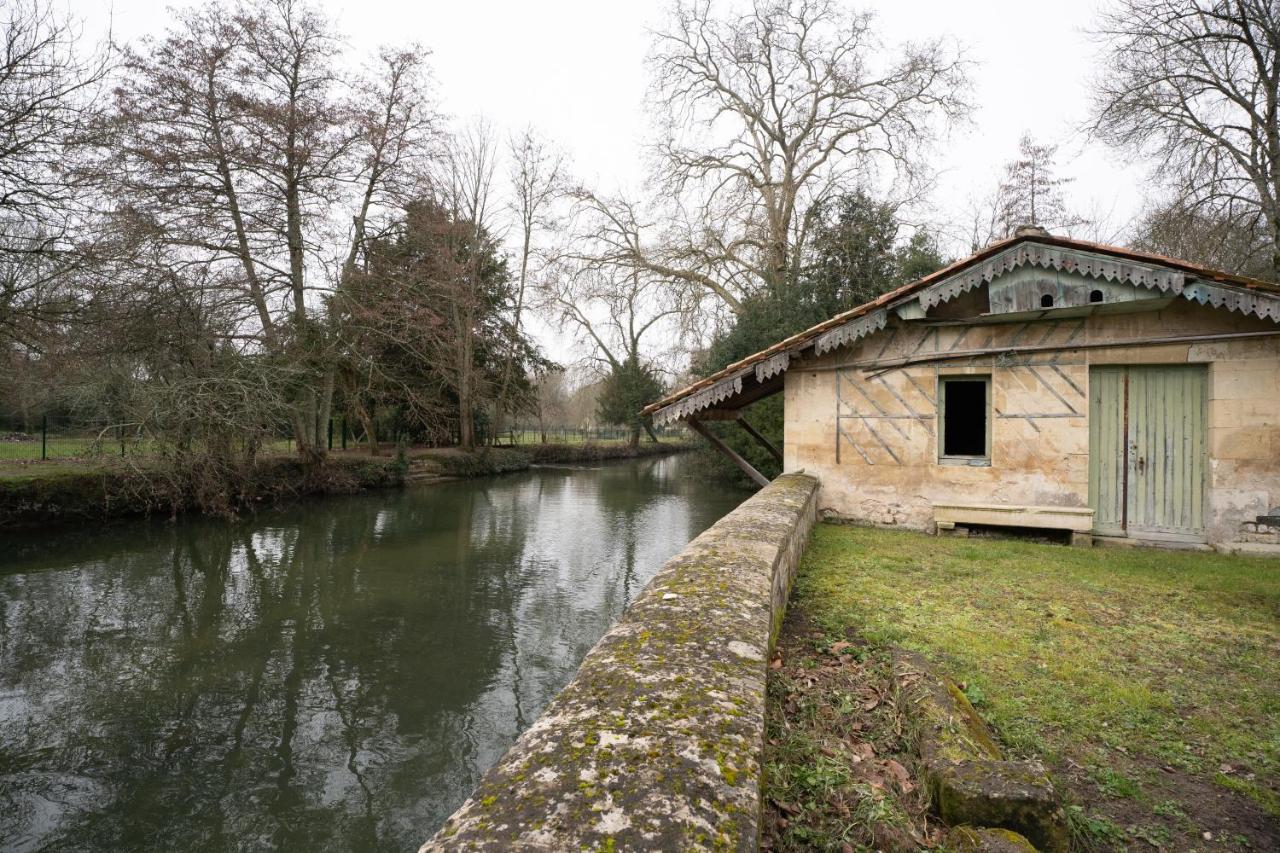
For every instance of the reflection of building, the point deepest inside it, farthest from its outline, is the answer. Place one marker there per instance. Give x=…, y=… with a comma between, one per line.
x=1041, y=382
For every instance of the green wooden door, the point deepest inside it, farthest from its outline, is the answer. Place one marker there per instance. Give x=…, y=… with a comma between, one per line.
x=1147, y=451
x=1107, y=449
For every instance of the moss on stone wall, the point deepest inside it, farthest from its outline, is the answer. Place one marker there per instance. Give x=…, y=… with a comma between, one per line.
x=656, y=742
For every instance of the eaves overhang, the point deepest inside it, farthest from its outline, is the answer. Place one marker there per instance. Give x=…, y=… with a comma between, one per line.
x=749, y=379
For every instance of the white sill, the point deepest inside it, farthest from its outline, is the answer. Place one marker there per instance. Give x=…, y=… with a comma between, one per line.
x=968, y=461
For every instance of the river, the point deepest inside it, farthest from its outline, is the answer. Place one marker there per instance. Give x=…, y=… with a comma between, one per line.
x=331, y=675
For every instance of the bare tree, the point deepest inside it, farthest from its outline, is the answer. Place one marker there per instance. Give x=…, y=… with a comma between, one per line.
x=762, y=115
x=1179, y=230
x=537, y=181
x=466, y=189
x=1031, y=192
x=615, y=311
x=396, y=130
x=48, y=81
x=236, y=144
x=552, y=400
x=1196, y=83
x=981, y=220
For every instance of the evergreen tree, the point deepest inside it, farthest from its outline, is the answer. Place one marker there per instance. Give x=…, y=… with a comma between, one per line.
x=630, y=386
x=1031, y=192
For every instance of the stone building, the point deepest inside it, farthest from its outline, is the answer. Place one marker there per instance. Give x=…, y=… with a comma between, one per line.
x=1043, y=382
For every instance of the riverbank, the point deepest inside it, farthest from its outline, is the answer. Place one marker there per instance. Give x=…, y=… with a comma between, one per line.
x=38, y=493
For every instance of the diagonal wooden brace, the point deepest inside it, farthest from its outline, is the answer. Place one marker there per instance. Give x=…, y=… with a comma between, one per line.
x=745, y=466
x=758, y=436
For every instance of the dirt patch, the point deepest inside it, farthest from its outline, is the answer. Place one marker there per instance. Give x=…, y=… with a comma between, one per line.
x=1135, y=802
x=841, y=773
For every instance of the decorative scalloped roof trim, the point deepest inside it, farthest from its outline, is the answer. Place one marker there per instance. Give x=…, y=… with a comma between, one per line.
x=704, y=399
x=1055, y=257
x=851, y=331
x=772, y=366
x=1264, y=306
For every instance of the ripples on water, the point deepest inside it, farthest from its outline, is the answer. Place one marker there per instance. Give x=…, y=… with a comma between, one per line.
x=332, y=676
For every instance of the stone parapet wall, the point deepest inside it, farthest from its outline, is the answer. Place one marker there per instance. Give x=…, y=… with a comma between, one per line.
x=656, y=742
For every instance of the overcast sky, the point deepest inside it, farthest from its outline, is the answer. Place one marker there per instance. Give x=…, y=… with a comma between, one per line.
x=574, y=69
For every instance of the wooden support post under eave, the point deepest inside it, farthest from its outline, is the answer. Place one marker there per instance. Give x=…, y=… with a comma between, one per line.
x=764, y=442
x=756, y=477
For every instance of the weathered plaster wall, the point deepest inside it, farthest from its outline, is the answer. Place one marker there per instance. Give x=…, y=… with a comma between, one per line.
x=871, y=438
x=655, y=744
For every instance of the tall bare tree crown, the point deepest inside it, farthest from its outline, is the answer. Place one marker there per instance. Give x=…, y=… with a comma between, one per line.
x=762, y=114
x=1196, y=85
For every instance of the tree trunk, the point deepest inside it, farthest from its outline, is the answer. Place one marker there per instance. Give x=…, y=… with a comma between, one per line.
x=1275, y=248
x=304, y=429
x=466, y=393
x=466, y=419
x=370, y=430
x=325, y=407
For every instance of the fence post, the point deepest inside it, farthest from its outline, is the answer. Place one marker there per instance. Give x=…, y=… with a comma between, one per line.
x=44, y=437
x=331, y=433
x=344, y=432
x=120, y=433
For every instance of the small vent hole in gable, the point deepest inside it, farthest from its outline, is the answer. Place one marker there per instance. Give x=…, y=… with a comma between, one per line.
x=1095, y=296
x=1046, y=301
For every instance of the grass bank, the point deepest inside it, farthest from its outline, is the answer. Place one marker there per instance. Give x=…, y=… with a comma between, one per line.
x=66, y=490
x=1148, y=681
x=38, y=494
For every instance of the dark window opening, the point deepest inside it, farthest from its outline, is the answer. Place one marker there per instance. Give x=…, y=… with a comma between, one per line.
x=1095, y=295
x=964, y=417
x=1046, y=301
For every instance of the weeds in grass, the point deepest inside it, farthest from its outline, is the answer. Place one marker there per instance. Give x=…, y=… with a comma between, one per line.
x=836, y=757
x=1092, y=832
x=1113, y=784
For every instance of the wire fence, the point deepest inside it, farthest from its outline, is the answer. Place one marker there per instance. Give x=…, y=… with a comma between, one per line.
x=45, y=440
x=51, y=438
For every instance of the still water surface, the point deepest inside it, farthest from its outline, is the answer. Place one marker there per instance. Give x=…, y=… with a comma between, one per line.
x=335, y=675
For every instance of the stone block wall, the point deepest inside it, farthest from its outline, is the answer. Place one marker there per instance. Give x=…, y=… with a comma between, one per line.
x=656, y=742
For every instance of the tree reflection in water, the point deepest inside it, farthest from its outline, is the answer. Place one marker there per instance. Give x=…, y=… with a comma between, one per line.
x=336, y=675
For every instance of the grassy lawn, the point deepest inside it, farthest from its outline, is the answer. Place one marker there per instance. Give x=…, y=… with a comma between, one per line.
x=1148, y=680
